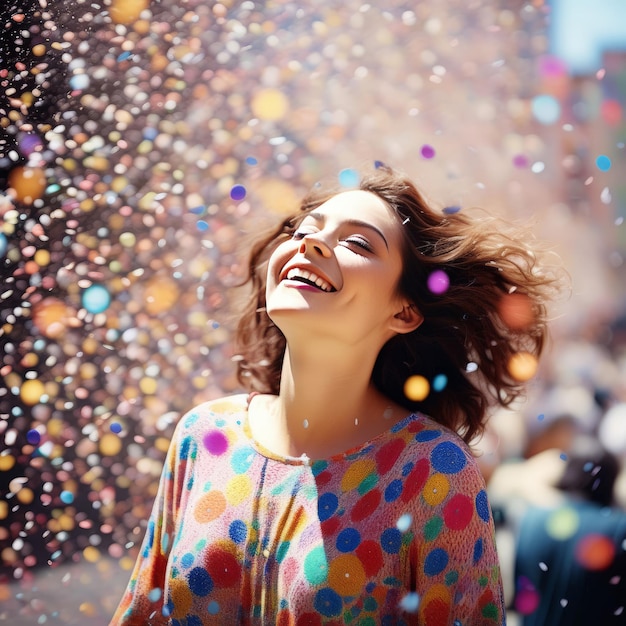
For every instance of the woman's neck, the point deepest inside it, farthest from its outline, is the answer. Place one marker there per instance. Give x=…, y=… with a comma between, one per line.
x=327, y=404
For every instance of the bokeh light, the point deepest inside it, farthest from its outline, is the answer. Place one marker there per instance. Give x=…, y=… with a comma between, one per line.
x=144, y=144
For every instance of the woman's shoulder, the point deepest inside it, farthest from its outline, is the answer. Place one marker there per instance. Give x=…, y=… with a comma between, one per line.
x=447, y=451
x=219, y=412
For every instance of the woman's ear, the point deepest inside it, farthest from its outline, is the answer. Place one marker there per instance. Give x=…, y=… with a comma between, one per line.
x=407, y=320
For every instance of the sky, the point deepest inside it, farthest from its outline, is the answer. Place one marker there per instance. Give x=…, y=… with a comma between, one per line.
x=583, y=29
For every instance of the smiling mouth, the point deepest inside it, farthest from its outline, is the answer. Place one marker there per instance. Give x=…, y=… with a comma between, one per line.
x=309, y=278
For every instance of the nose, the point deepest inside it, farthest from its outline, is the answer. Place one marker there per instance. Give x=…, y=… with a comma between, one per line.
x=310, y=243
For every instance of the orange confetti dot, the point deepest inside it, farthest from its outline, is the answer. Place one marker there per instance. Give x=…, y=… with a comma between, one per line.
x=522, y=366
x=516, y=311
x=416, y=388
x=595, y=552
x=28, y=183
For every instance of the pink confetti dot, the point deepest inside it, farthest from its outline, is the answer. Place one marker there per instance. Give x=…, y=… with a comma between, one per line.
x=438, y=282
x=428, y=152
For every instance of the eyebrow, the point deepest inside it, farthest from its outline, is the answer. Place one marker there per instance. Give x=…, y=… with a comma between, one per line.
x=352, y=222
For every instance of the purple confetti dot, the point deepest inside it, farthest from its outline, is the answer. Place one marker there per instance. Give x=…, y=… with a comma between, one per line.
x=238, y=192
x=438, y=282
x=33, y=437
x=428, y=152
x=450, y=210
x=216, y=442
x=520, y=160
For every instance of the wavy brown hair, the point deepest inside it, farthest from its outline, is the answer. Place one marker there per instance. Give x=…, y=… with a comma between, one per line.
x=485, y=261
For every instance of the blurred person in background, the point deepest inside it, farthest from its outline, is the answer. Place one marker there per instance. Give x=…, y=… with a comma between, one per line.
x=570, y=558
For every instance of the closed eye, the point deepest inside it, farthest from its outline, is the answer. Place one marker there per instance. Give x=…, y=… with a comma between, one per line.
x=362, y=243
x=300, y=234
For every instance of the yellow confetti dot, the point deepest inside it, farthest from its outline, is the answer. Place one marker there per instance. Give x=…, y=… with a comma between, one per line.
x=42, y=258
x=127, y=11
x=270, y=104
x=416, y=388
x=6, y=463
x=563, y=523
x=110, y=444
x=91, y=554
x=522, y=366
x=25, y=495
x=88, y=609
x=32, y=391
x=148, y=385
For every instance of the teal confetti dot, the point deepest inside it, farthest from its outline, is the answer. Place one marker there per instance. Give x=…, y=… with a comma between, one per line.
x=439, y=382
x=348, y=178
x=67, y=497
x=603, y=163
x=96, y=299
x=546, y=109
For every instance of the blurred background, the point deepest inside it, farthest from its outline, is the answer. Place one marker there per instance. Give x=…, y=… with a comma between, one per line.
x=144, y=143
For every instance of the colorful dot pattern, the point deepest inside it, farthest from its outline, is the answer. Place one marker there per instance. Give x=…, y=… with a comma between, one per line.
x=237, y=533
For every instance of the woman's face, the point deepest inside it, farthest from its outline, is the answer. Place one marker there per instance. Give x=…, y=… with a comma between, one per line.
x=339, y=272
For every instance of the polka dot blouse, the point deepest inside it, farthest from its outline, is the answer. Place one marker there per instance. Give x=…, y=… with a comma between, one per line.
x=397, y=531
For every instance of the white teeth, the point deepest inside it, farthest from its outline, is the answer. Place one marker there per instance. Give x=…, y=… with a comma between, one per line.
x=298, y=272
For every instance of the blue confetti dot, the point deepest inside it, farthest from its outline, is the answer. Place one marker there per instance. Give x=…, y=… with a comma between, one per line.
x=348, y=178
x=563, y=456
x=202, y=226
x=67, y=497
x=450, y=210
x=540, y=417
x=155, y=594
x=96, y=299
x=213, y=608
x=603, y=163
x=238, y=192
x=251, y=160
x=116, y=427
x=33, y=437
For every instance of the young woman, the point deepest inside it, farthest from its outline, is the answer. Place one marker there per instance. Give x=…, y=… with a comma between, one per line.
x=341, y=489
